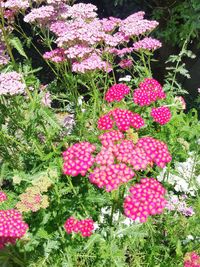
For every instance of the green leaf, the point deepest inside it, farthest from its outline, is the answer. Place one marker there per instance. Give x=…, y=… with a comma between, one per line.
x=16, y=43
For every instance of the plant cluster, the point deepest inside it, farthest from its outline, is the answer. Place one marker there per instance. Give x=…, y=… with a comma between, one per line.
x=88, y=159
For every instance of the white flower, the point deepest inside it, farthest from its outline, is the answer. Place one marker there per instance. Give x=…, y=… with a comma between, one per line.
x=80, y=100
x=127, y=78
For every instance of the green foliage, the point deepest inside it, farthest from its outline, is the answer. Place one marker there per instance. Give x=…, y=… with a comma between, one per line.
x=182, y=20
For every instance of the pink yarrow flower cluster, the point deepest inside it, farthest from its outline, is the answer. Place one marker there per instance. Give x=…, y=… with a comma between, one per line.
x=78, y=159
x=91, y=63
x=3, y=196
x=117, y=92
x=147, y=43
x=57, y=55
x=124, y=119
x=191, y=259
x=84, y=227
x=148, y=92
x=105, y=156
x=12, y=227
x=42, y=15
x=143, y=154
x=146, y=199
x=108, y=139
x=16, y=4
x=156, y=150
x=11, y=83
x=161, y=115
x=135, y=25
x=111, y=176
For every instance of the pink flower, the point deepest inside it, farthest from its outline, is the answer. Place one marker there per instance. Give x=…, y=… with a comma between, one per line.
x=42, y=15
x=16, y=4
x=3, y=196
x=135, y=25
x=105, y=156
x=105, y=122
x=57, y=55
x=131, y=154
x=125, y=63
x=84, y=227
x=11, y=83
x=146, y=199
x=148, y=92
x=12, y=227
x=81, y=11
x=147, y=43
x=111, y=176
x=117, y=92
x=108, y=139
x=123, y=118
x=46, y=99
x=91, y=63
x=78, y=159
x=78, y=51
x=191, y=259
x=161, y=115
x=156, y=150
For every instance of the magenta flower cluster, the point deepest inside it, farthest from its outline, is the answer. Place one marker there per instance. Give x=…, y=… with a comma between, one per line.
x=78, y=159
x=84, y=227
x=161, y=115
x=191, y=259
x=12, y=227
x=108, y=139
x=123, y=118
x=146, y=199
x=148, y=92
x=111, y=176
x=3, y=196
x=117, y=92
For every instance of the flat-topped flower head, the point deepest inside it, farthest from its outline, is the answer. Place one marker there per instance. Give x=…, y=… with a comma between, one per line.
x=11, y=83
x=161, y=115
x=42, y=15
x=12, y=227
x=78, y=159
x=108, y=139
x=147, y=43
x=105, y=122
x=117, y=92
x=84, y=227
x=111, y=176
x=146, y=199
x=122, y=118
x=16, y=5
x=156, y=150
x=57, y=55
x=148, y=92
x=3, y=196
x=191, y=259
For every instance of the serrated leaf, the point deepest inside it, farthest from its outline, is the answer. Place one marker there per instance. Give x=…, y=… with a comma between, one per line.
x=16, y=43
